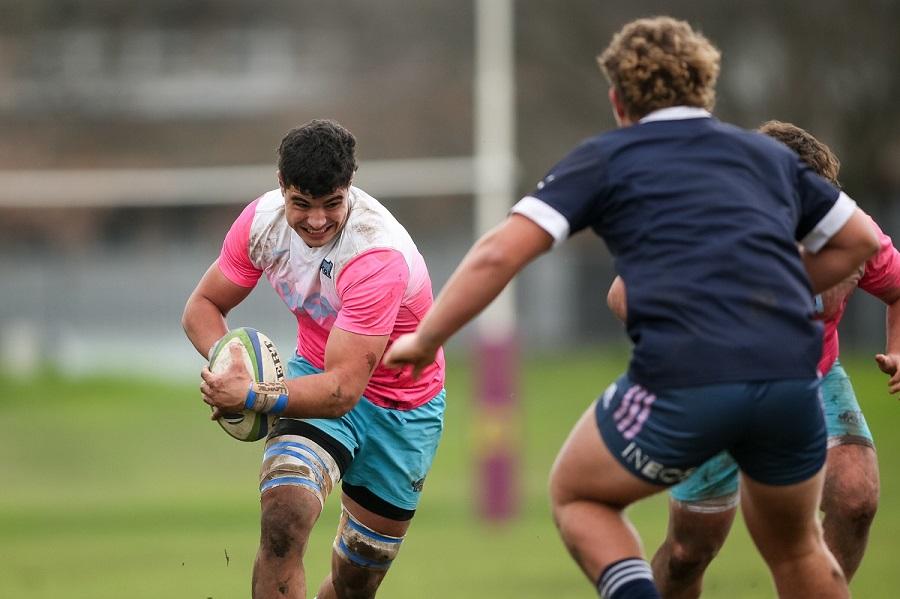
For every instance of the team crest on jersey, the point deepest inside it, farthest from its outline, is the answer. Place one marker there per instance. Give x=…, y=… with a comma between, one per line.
x=326, y=267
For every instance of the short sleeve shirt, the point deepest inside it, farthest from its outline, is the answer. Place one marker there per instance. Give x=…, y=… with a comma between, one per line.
x=370, y=280
x=702, y=219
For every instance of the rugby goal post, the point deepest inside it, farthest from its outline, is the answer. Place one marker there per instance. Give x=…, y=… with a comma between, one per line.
x=495, y=363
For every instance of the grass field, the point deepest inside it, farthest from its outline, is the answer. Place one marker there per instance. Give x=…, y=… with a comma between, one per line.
x=114, y=488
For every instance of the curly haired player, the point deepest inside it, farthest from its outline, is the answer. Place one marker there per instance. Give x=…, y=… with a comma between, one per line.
x=702, y=508
x=702, y=219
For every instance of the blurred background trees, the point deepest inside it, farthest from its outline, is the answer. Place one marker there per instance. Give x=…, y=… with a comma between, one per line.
x=109, y=84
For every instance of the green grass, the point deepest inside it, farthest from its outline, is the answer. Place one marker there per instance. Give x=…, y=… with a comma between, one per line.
x=125, y=489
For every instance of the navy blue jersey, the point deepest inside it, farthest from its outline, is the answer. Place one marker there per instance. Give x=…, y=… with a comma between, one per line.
x=703, y=220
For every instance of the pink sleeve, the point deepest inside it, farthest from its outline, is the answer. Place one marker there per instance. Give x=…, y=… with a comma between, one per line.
x=371, y=288
x=234, y=260
x=883, y=269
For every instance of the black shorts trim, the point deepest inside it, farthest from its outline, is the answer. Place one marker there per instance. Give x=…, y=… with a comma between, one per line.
x=292, y=426
x=374, y=503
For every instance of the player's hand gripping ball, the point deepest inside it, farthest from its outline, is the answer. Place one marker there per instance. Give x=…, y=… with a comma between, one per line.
x=264, y=365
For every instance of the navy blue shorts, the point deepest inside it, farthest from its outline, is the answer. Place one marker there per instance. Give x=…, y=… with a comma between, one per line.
x=775, y=430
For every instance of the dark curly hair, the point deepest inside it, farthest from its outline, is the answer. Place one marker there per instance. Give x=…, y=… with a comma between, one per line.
x=317, y=158
x=812, y=151
x=661, y=62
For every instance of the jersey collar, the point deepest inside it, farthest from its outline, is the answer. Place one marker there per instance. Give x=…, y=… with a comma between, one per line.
x=676, y=113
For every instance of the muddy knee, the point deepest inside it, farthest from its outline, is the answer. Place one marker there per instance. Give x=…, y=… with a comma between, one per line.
x=286, y=522
x=689, y=561
x=857, y=512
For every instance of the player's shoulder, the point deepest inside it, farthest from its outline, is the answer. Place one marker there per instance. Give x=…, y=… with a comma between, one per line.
x=271, y=201
x=369, y=222
x=369, y=226
x=268, y=227
x=268, y=210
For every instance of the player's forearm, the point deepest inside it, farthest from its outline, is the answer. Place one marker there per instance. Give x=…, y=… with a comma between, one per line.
x=203, y=323
x=831, y=266
x=477, y=281
x=324, y=395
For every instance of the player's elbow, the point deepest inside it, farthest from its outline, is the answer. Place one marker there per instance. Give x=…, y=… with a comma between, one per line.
x=872, y=243
x=343, y=398
x=189, y=316
x=341, y=407
x=860, y=236
x=490, y=254
x=195, y=309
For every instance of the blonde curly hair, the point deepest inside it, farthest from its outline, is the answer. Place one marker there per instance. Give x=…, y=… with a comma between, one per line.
x=812, y=151
x=659, y=62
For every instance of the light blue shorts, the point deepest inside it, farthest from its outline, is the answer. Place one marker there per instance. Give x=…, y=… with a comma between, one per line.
x=384, y=454
x=717, y=478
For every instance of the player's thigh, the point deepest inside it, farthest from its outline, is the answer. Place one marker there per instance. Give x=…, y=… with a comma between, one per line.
x=586, y=470
x=782, y=518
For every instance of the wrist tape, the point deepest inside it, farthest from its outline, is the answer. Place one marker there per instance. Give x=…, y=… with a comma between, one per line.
x=268, y=398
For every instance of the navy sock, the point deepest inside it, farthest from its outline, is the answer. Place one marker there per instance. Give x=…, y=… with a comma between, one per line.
x=629, y=578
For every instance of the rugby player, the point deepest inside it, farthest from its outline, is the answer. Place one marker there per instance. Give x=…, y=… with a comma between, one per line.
x=702, y=219
x=702, y=508
x=354, y=280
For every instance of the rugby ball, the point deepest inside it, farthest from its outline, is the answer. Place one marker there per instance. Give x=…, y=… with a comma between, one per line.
x=263, y=363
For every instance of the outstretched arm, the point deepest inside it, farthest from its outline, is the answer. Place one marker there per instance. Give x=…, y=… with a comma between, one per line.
x=488, y=267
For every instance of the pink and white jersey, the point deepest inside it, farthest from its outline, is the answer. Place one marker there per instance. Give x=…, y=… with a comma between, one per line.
x=369, y=280
x=882, y=274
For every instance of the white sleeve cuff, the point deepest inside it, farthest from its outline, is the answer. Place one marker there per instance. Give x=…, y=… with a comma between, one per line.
x=830, y=224
x=543, y=215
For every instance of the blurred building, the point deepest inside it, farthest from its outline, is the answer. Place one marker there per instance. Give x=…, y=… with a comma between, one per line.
x=132, y=135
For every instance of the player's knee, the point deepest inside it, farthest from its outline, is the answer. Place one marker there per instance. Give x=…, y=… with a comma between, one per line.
x=298, y=462
x=687, y=561
x=858, y=510
x=854, y=501
x=558, y=505
x=365, y=549
x=559, y=492
x=285, y=526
